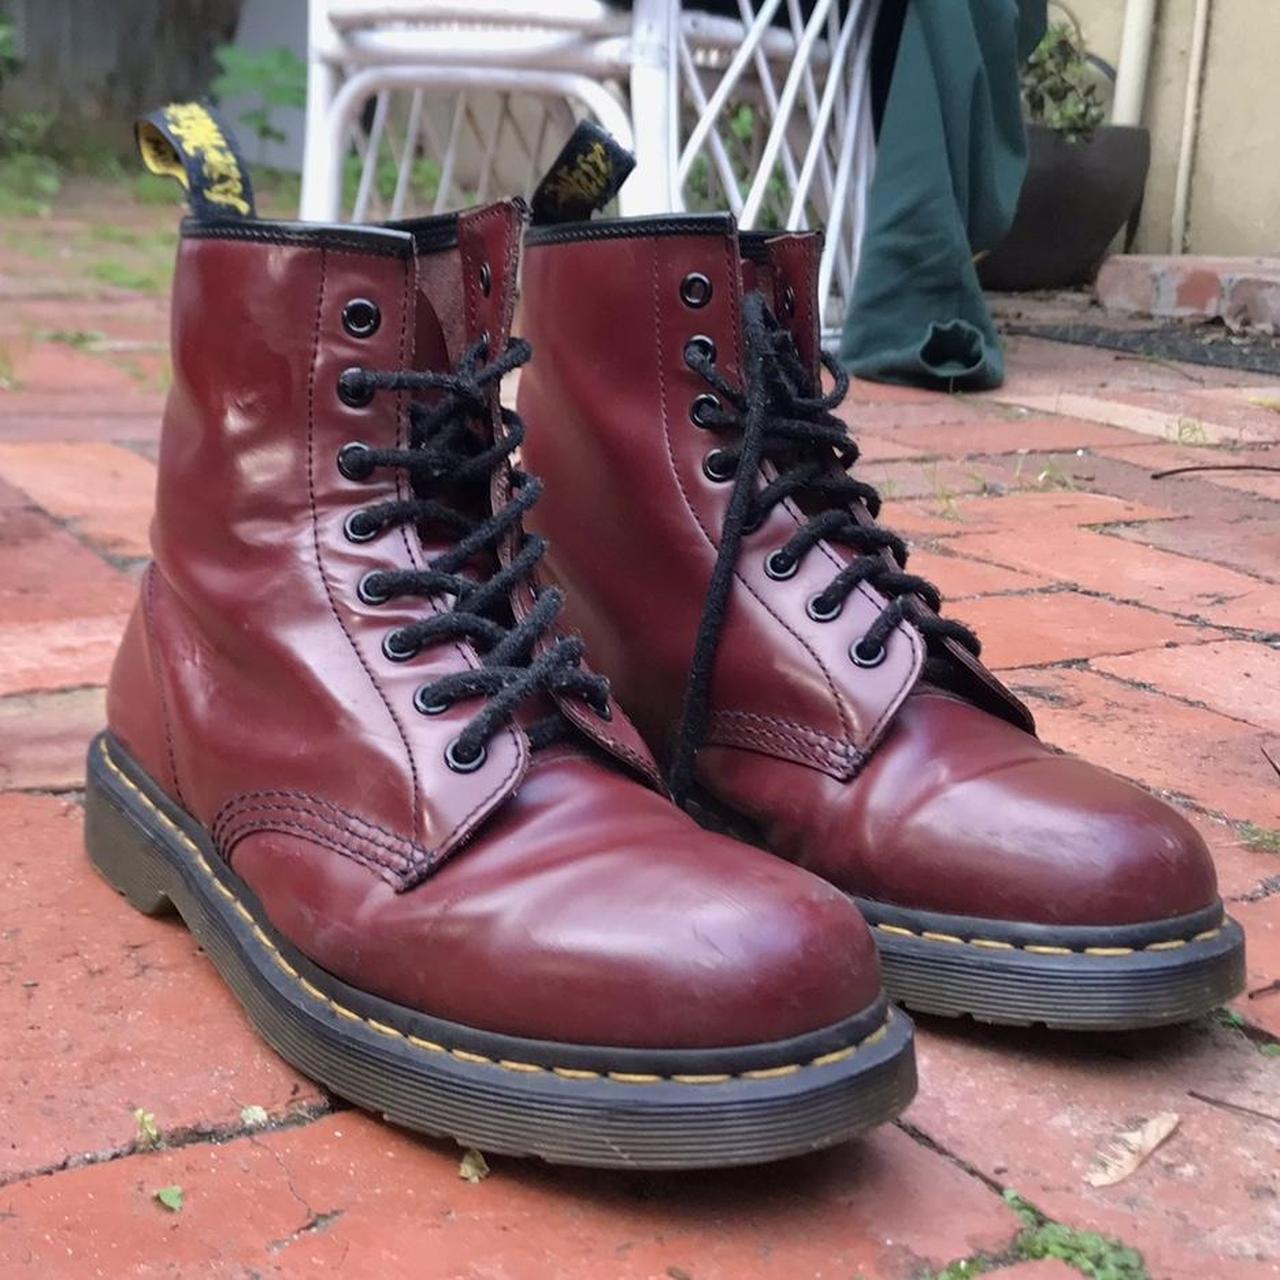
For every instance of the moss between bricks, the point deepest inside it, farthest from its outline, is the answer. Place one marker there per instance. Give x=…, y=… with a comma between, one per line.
x=1091, y=1254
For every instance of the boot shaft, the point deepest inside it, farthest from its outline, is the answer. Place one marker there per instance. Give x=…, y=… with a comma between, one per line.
x=636, y=501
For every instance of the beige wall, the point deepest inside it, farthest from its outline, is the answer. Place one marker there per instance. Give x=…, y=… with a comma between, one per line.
x=1235, y=182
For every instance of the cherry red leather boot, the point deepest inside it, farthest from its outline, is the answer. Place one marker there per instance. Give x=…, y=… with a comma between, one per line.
x=411, y=829
x=762, y=631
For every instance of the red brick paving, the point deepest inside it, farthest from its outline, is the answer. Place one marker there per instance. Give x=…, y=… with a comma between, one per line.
x=1032, y=506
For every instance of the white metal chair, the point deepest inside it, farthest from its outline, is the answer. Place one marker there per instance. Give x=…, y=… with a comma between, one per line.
x=427, y=104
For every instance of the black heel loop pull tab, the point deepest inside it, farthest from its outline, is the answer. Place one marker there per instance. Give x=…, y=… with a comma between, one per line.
x=583, y=178
x=191, y=142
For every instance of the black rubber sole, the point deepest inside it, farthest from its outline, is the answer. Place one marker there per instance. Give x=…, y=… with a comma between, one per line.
x=1077, y=978
x=570, y=1104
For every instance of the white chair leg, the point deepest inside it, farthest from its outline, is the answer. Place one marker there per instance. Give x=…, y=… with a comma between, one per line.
x=321, y=161
x=650, y=188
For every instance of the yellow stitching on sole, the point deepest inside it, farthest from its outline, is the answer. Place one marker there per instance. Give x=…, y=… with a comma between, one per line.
x=430, y=1046
x=838, y=1055
x=992, y=944
x=893, y=928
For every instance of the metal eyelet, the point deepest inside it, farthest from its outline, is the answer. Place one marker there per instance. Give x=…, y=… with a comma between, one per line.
x=368, y=593
x=361, y=317
x=788, y=305
x=699, y=345
x=695, y=290
x=486, y=279
x=780, y=566
x=356, y=532
x=395, y=652
x=355, y=388
x=719, y=466
x=873, y=659
x=604, y=712
x=819, y=614
x=699, y=410
x=353, y=460
x=458, y=765
x=420, y=703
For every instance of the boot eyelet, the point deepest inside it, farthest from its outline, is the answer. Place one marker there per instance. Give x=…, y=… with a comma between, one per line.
x=395, y=648
x=353, y=460
x=436, y=708
x=819, y=614
x=604, y=711
x=719, y=466
x=699, y=346
x=788, y=304
x=487, y=342
x=355, y=388
x=356, y=530
x=361, y=318
x=701, y=409
x=872, y=659
x=695, y=290
x=486, y=279
x=368, y=593
x=460, y=764
x=780, y=566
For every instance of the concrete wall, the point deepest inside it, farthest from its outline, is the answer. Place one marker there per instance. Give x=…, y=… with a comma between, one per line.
x=1235, y=183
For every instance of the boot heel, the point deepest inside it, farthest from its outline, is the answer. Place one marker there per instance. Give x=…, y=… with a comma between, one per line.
x=119, y=847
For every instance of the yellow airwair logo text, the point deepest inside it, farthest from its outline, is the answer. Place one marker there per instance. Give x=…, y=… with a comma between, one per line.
x=191, y=134
x=585, y=180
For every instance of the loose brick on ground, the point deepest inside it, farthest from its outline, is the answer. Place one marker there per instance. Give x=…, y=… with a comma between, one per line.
x=1010, y=435
x=106, y=493
x=1033, y=1109
x=43, y=737
x=959, y=578
x=1055, y=626
x=1125, y=570
x=1240, y=678
x=106, y=1011
x=348, y=1194
x=1171, y=747
x=1260, y=1003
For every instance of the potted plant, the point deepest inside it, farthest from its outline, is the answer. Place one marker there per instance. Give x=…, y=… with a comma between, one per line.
x=1084, y=178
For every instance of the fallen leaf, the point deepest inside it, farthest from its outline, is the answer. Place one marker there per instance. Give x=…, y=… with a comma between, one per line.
x=1129, y=1149
x=253, y=1115
x=474, y=1167
x=171, y=1198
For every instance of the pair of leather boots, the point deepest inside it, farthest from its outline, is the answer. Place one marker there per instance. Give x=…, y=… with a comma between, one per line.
x=354, y=740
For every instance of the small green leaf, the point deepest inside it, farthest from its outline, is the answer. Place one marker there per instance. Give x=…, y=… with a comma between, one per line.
x=473, y=1167
x=171, y=1198
x=1270, y=1050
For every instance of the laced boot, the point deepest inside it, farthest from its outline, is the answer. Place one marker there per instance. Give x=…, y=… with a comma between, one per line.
x=798, y=682
x=349, y=744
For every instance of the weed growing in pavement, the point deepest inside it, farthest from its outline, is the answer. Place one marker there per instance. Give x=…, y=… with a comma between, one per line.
x=1260, y=839
x=1097, y=1256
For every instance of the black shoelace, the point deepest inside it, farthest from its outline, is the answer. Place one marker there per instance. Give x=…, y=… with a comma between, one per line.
x=449, y=465
x=778, y=415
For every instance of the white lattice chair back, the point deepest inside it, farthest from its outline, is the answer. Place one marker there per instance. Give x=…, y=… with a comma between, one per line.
x=421, y=106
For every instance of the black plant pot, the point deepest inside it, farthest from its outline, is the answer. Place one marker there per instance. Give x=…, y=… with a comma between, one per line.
x=1076, y=196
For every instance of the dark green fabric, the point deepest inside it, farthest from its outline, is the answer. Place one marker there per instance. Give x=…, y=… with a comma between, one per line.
x=951, y=157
